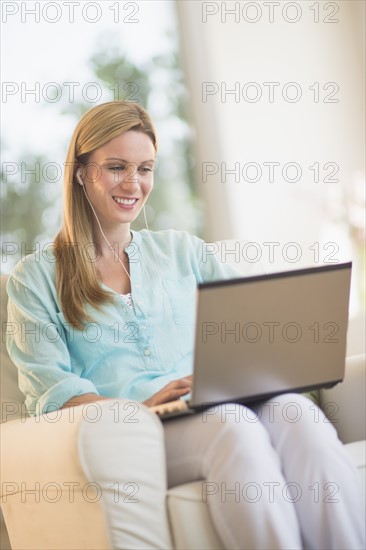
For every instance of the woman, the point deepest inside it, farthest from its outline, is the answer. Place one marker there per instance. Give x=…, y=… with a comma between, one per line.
x=115, y=310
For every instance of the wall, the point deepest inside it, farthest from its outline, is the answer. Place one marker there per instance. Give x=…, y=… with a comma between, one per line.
x=319, y=118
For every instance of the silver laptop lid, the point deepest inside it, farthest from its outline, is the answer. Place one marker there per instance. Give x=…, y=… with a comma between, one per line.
x=260, y=336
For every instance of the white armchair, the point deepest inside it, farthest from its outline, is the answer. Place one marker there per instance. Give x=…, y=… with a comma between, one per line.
x=43, y=451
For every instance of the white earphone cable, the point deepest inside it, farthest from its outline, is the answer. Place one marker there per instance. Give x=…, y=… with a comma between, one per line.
x=79, y=178
x=150, y=238
x=102, y=232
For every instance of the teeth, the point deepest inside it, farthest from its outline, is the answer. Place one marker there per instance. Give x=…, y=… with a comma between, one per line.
x=127, y=202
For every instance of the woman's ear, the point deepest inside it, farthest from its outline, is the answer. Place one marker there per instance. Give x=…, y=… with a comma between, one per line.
x=78, y=176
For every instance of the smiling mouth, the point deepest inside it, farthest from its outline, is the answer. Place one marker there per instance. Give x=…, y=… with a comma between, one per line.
x=127, y=202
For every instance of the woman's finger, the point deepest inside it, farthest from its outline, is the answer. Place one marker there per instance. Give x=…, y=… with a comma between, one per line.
x=180, y=383
x=172, y=395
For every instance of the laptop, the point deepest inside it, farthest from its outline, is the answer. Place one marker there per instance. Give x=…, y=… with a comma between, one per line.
x=258, y=337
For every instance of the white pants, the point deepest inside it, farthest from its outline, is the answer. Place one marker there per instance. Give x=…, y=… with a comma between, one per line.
x=279, y=478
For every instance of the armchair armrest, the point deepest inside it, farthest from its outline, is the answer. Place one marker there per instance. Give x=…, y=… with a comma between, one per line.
x=70, y=478
x=344, y=404
x=46, y=499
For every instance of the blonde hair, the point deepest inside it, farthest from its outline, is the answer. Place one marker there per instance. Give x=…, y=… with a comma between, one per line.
x=77, y=280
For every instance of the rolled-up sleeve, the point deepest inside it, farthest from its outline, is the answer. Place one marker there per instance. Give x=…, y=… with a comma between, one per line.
x=210, y=265
x=37, y=345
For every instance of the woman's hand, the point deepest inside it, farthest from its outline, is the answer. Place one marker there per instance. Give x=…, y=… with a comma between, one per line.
x=172, y=391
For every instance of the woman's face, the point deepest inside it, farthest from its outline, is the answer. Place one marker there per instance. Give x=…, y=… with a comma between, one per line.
x=119, y=177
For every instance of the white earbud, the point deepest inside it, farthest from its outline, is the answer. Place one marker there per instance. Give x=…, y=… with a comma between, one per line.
x=78, y=177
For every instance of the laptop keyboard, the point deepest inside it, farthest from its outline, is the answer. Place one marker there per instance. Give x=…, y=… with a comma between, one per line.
x=171, y=407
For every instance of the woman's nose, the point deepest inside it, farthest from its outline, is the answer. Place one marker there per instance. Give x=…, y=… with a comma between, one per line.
x=130, y=178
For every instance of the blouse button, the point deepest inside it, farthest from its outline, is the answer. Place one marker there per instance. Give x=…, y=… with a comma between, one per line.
x=147, y=351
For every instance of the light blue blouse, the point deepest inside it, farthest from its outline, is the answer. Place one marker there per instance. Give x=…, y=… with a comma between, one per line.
x=130, y=353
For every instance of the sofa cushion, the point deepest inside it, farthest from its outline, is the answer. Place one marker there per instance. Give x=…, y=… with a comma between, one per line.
x=344, y=404
x=190, y=519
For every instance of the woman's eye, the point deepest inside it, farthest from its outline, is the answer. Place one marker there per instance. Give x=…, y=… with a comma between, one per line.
x=119, y=168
